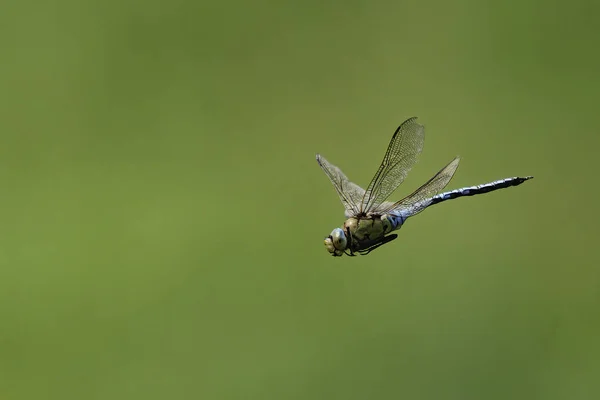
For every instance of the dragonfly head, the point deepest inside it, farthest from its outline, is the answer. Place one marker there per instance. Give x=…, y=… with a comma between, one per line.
x=336, y=242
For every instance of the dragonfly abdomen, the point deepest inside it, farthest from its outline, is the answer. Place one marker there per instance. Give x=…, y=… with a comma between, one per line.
x=392, y=220
x=479, y=189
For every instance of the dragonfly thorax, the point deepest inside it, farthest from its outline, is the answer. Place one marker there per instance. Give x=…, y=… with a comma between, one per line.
x=359, y=233
x=365, y=229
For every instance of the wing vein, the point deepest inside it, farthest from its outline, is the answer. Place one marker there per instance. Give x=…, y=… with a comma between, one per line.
x=402, y=153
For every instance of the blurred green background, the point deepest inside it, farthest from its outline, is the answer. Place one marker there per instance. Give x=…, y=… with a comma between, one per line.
x=163, y=214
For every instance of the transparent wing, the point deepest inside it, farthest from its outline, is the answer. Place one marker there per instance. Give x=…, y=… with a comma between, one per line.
x=419, y=199
x=401, y=155
x=350, y=193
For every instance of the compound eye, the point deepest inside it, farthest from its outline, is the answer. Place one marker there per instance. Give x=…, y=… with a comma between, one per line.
x=339, y=239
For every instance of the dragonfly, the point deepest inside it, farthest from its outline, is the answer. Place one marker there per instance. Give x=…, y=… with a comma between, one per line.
x=370, y=219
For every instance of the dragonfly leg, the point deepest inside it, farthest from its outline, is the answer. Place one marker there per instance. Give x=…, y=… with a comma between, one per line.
x=349, y=236
x=381, y=242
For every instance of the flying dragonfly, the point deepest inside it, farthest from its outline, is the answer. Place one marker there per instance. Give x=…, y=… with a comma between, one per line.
x=369, y=217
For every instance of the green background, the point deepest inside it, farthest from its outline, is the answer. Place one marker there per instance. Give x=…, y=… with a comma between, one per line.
x=163, y=214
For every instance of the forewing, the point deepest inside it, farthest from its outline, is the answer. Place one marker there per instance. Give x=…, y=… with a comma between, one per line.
x=350, y=193
x=401, y=155
x=418, y=200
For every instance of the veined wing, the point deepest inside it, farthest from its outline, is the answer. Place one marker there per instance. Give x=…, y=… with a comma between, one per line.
x=350, y=193
x=418, y=200
x=401, y=155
